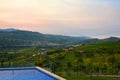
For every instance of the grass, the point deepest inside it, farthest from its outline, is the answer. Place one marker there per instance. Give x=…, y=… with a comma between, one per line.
x=106, y=45
x=81, y=77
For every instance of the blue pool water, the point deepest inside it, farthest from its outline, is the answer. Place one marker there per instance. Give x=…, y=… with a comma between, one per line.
x=24, y=74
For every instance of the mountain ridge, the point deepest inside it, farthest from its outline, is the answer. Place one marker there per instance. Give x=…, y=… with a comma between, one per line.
x=16, y=37
x=8, y=30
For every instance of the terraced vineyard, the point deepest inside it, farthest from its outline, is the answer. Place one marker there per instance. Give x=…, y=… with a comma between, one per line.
x=73, y=63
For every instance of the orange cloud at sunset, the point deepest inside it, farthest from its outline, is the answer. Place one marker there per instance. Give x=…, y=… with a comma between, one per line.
x=81, y=17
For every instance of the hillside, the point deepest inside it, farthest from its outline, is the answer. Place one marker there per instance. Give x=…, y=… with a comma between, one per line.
x=72, y=63
x=14, y=37
x=98, y=59
x=95, y=40
x=20, y=38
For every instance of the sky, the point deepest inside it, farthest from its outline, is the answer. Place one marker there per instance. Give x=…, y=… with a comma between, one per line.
x=95, y=18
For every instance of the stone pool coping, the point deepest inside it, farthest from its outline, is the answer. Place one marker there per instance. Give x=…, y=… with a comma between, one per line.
x=50, y=73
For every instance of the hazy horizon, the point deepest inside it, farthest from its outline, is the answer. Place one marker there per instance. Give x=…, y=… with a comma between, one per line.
x=94, y=18
x=65, y=35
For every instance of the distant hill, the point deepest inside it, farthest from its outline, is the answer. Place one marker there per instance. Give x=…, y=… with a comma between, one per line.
x=14, y=37
x=111, y=39
x=8, y=30
x=95, y=40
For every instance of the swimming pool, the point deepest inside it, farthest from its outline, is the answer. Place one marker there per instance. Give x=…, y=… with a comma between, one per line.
x=27, y=74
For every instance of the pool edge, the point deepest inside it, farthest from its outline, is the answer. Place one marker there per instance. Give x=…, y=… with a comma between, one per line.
x=50, y=73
